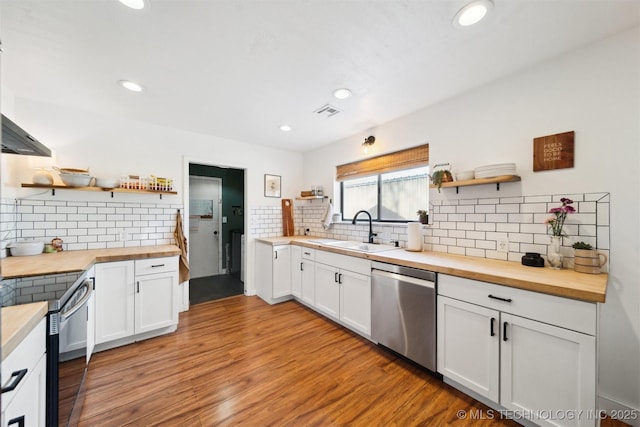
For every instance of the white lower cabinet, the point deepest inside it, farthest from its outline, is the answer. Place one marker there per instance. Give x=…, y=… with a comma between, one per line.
x=273, y=272
x=134, y=298
x=24, y=377
x=533, y=355
x=343, y=289
x=303, y=280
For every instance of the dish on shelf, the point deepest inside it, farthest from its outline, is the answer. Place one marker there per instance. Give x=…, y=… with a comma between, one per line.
x=464, y=175
x=107, y=183
x=75, y=180
x=492, y=171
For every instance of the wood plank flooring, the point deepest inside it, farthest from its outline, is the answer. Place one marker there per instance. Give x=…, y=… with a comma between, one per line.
x=240, y=361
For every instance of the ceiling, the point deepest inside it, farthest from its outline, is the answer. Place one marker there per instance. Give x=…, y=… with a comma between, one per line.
x=239, y=69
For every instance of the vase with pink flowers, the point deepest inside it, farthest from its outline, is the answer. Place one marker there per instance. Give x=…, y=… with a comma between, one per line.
x=555, y=224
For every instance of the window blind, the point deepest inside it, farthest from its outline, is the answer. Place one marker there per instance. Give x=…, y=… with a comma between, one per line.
x=403, y=159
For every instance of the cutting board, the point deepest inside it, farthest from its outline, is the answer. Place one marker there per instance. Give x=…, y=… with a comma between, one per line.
x=287, y=217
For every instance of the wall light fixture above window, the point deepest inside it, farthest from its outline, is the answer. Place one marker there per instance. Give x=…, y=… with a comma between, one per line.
x=472, y=13
x=368, y=142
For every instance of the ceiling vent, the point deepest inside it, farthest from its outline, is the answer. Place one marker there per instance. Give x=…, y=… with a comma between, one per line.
x=327, y=110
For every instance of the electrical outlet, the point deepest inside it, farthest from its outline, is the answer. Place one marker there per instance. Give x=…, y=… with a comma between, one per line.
x=503, y=245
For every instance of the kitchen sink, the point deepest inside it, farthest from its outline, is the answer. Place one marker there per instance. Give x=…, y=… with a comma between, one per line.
x=359, y=246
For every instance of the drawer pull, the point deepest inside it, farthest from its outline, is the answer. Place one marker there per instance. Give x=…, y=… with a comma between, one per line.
x=17, y=377
x=340, y=278
x=157, y=265
x=301, y=266
x=491, y=325
x=504, y=331
x=17, y=420
x=335, y=277
x=500, y=299
x=307, y=253
x=138, y=287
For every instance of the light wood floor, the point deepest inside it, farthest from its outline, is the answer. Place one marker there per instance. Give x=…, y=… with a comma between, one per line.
x=240, y=361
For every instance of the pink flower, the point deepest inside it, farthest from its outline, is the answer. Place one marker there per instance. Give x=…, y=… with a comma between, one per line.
x=556, y=222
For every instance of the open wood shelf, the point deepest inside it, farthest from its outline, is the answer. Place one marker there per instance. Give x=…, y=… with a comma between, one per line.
x=311, y=197
x=55, y=187
x=479, y=181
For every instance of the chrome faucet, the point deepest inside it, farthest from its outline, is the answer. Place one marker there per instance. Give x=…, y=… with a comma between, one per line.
x=371, y=233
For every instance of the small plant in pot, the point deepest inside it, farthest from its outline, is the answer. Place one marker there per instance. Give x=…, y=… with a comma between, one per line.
x=587, y=259
x=441, y=175
x=423, y=216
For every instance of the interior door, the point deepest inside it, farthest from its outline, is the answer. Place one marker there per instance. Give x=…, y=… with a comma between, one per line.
x=205, y=200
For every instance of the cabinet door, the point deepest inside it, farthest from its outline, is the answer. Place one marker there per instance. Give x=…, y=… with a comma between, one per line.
x=469, y=345
x=355, y=300
x=296, y=271
x=308, y=282
x=281, y=271
x=547, y=368
x=327, y=290
x=156, y=303
x=114, y=300
x=28, y=407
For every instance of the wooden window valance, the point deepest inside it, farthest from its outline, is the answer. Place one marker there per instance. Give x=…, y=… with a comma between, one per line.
x=398, y=160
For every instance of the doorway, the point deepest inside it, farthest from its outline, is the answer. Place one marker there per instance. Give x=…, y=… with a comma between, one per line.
x=216, y=232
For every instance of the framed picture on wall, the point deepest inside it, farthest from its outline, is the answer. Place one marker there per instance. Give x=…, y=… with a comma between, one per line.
x=272, y=185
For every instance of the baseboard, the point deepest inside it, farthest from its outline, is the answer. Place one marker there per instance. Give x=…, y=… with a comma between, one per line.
x=619, y=411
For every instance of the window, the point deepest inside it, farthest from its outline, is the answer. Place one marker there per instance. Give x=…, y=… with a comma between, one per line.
x=391, y=196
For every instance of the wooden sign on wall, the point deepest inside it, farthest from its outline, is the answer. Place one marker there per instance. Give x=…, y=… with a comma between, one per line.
x=553, y=151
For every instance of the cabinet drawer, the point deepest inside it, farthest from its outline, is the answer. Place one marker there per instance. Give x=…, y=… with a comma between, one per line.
x=25, y=356
x=344, y=262
x=156, y=265
x=568, y=313
x=308, y=253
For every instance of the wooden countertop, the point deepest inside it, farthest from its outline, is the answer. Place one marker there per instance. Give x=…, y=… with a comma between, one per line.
x=18, y=321
x=74, y=261
x=565, y=283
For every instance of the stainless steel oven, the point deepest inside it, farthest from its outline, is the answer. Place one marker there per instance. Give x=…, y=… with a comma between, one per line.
x=67, y=353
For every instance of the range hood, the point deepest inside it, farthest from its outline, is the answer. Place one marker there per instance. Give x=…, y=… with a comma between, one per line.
x=16, y=141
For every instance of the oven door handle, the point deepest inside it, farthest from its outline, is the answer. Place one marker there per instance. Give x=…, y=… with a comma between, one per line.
x=79, y=304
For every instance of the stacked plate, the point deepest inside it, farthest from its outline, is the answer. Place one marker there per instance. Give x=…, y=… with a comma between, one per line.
x=491, y=171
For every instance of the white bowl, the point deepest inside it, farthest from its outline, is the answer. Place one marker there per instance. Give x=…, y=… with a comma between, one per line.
x=75, y=180
x=107, y=183
x=464, y=175
x=26, y=248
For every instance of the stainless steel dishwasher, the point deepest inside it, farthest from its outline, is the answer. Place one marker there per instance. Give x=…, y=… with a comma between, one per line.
x=403, y=311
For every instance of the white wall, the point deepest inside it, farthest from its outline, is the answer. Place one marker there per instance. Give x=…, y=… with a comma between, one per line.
x=112, y=146
x=594, y=91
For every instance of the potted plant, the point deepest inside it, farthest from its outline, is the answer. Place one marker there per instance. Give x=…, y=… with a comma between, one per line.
x=441, y=175
x=423, y=216
x=587, y=259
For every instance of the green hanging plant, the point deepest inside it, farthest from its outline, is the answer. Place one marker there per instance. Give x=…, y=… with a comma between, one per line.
x=441, y=175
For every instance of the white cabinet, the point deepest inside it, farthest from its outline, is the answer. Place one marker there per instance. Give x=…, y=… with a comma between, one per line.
x=134, y=298
x=273, y=272
x=531, y=353
x=343, y=289
x=24, y=381
x=328, y=290
x=115, y=300
x=296, y=271
x=303, y=280
x=156, y=298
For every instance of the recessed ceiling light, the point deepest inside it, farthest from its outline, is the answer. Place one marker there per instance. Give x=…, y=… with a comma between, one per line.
x=342, y=93
x=285, y=128
x=472, y=13
x=133, y=4
x=132, y=86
